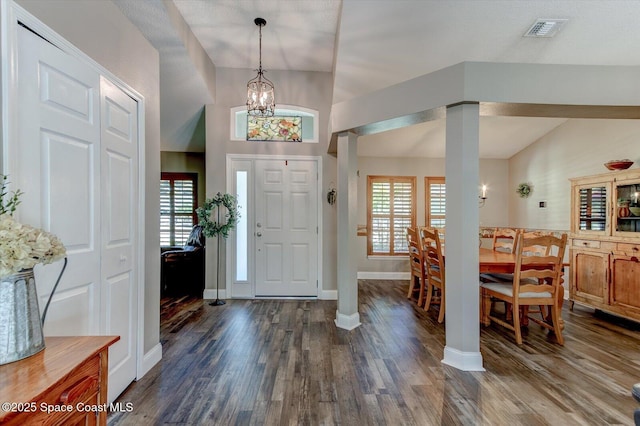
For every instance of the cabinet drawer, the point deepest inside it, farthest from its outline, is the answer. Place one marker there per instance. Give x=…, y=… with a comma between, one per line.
x=627, y=248
x=82, y=384
x=586, y=243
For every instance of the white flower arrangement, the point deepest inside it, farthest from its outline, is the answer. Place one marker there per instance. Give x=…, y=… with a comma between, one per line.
x=23, y=246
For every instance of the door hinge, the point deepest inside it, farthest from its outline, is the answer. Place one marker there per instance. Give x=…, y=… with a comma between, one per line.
x=317, y=230
x=317, y=285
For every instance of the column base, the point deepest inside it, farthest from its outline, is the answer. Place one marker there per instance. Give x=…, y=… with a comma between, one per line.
x=465, y=361
x=347, y=322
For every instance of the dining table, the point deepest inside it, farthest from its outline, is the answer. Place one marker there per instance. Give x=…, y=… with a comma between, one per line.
x=498, y=262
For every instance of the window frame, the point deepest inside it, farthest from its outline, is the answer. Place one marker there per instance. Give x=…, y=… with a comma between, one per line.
x=428, y=215
x=371, y=179
x=172, y=177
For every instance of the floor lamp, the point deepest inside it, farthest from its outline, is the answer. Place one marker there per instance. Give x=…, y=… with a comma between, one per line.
x=218, y=302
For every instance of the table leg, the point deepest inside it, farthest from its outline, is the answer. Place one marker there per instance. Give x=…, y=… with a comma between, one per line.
x=485, y=308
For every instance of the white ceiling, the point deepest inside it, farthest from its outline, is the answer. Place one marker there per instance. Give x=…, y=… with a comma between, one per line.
x=383, y=42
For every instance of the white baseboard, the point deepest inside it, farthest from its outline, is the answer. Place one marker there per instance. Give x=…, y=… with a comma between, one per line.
x=210, y=293
x=347, y=322
x=366, y=275
x=150, y=359
x=465, y=361
x=328, y=295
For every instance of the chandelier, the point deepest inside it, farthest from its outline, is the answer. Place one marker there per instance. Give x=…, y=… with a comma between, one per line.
x=260, y=93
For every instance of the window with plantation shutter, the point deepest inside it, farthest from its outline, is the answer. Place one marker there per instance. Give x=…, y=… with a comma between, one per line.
x=391, y=210
x=435, y=200
x=177, y=207
x=593, y=208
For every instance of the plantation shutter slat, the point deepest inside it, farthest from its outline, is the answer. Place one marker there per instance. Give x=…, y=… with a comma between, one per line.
x=435, y=202
x=593, y=208
x=391, y=211
x=177, y=207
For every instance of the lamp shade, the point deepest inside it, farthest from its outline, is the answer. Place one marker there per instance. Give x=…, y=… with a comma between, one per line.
x=260, y=96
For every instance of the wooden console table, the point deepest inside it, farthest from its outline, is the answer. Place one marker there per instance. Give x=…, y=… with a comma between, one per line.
x=66, y=383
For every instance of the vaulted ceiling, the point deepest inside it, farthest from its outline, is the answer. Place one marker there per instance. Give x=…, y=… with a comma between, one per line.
x=372, y=44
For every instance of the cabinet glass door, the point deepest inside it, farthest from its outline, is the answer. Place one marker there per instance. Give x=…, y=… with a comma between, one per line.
x=593, y=208
x=627, y=211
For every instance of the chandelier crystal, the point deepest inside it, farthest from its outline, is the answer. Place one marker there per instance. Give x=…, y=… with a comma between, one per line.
x=260, y=93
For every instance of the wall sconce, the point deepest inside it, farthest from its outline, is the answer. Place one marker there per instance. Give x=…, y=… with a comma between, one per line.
x=483, y=196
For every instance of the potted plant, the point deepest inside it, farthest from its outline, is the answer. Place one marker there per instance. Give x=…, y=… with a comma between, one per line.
x=22, y=247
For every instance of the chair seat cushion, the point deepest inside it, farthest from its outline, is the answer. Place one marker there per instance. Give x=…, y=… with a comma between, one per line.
x=507, y=290
x=497, y=277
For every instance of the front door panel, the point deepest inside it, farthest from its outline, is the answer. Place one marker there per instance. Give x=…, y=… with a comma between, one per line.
x=286, y=228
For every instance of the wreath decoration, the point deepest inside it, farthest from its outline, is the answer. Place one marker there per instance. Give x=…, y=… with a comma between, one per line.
x=524, y=190
x=212, y=228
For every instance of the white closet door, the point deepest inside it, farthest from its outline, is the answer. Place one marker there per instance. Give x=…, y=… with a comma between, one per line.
x=119, y=180
x=77, y=163
x=58, y=166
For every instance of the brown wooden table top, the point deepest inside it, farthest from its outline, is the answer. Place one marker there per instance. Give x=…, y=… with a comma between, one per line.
x=496, y=261
x=24, y=380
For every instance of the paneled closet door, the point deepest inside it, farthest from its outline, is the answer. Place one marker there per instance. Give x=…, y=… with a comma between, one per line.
x=119, y=189
x=58, y=168
x=77, y=163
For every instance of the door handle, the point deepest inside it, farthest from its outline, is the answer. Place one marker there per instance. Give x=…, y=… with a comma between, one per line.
x=258, y=234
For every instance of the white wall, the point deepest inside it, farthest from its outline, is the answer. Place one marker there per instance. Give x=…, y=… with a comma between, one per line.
x=493, y=173
x=307, y=89
x=101, y=31
x=577, y=148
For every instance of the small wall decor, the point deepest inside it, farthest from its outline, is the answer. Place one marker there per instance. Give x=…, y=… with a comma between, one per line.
x=283, y=129
x=524, y=190
x=331, y=196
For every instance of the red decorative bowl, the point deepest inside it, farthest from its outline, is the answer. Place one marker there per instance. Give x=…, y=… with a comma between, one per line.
x=618, y=164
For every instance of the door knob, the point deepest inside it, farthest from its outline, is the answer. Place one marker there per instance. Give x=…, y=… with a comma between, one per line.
x=259, y=225
x=259, y=234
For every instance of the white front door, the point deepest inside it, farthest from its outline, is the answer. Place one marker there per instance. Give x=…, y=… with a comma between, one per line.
x=76, y=161
x=285, y=227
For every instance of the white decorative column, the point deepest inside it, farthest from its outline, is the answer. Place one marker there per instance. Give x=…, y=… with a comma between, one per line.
x=347, y=315
x=462, y=348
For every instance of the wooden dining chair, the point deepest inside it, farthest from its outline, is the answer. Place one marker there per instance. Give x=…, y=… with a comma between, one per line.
x=537, y=251
x=416, y=265
x=434, y=269
x=504, y=240
x=536, y=281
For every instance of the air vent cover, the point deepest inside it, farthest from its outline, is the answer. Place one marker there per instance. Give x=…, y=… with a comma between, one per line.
x=545, y=28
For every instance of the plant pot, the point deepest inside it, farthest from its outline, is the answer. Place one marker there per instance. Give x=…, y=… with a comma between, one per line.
x=20, y=326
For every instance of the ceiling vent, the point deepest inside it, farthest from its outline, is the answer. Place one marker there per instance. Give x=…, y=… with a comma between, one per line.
x=545, y=28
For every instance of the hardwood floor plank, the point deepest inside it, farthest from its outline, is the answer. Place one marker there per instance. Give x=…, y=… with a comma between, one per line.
x=283, y=362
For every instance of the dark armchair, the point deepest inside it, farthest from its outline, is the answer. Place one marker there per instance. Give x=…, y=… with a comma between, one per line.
x=183, y=267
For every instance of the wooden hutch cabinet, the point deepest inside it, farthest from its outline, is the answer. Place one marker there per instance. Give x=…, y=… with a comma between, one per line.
x=605, y=242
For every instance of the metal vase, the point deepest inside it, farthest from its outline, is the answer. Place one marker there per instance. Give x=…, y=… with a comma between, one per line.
x=20, y=327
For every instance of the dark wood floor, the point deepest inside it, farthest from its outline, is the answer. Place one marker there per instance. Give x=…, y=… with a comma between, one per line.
x=284, y=362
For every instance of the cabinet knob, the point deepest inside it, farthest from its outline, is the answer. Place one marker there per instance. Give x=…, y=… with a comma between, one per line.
x=634, y=259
